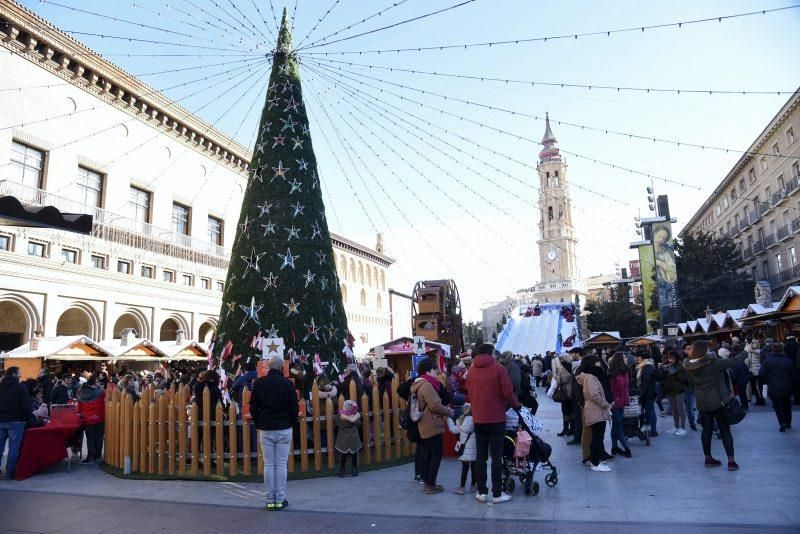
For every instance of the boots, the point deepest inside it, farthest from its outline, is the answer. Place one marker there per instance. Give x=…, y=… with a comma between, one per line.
x=343, y=465
x=355, y=464
x=570, y=428
x=564, y=429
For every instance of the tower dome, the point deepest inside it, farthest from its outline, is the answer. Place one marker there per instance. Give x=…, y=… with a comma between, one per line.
x=550, y=150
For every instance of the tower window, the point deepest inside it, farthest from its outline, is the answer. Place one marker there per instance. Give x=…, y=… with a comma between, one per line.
x=549, y=213
x=556, y=174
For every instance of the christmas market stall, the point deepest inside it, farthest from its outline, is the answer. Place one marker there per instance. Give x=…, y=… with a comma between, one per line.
x=604, y=340
x=57, y=353
x=761, y=321
x=399, y=354
x=644, y=341
x=789, y=306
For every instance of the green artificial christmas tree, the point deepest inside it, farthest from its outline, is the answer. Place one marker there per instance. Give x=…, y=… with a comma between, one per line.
x=282, y=280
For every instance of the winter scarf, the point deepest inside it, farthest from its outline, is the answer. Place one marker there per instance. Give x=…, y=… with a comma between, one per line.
x=432, y=381
x=640, y=367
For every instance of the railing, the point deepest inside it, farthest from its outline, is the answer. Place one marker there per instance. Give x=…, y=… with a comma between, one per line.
x=769, y=241
x=111, y=226
x=783, y=232
x=778, y=196
x=792, y=185
x=766, y=206
x=786, y=276
x=758, y=248
x=753, y=216
x=743, y=225
x=164, y=434
x=795, y=224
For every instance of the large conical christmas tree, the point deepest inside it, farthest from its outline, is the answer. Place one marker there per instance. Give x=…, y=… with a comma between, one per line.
x=282, y=280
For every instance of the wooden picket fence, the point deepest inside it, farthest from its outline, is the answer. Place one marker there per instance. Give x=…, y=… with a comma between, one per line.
x=161, y=434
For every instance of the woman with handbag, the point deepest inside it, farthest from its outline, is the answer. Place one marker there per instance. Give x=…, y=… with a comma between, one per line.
x=714, y=399
x=561, y=391
x=620, y=380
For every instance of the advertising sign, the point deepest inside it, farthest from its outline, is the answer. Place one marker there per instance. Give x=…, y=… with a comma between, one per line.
x=647, y=266
x=666, y=272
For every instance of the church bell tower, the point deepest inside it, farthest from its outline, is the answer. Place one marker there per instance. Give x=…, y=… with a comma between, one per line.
x=560, y=279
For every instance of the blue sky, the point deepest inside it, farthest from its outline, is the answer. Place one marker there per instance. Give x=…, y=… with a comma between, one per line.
x=487, y=241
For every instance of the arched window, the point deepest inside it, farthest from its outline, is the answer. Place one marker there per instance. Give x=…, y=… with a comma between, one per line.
x=352, y=270
x=363, y=298
x=344, y=293
x=360, y=273
x=549, y=213
x=369, y=276
x=383, y=280
x=342, y=267
x=379, y=302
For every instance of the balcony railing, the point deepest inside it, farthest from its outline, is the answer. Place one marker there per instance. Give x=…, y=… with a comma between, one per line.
x=795, y=224
x=785, y=277
x=758, y=248
x=766, y=206
x=779, y=196
x=743, y=225
x=792, y=185
x=784, y=232
x=753, y=216
x=770, y=241
x=111, y=226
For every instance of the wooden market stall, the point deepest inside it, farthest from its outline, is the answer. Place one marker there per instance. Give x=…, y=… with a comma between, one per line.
x=644, y=341
x=39, y=352
x=600, y=340
x=399, y=352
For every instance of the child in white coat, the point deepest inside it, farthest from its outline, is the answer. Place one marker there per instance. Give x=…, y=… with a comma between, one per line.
x=465, y=429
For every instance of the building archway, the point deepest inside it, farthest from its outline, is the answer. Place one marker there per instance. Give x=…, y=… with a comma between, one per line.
x=75, y=321
x=127, y=320
x=15, y=325
x=207, y=331
x=170, y=326
x=344, y=293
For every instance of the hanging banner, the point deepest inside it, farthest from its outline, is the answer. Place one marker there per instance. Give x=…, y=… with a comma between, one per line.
x=648, y=274
x=666, y=272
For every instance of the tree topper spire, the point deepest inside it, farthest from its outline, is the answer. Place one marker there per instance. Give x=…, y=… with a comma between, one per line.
x=284, y=43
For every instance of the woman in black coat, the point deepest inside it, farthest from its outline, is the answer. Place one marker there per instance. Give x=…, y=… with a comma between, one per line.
x=777, y=372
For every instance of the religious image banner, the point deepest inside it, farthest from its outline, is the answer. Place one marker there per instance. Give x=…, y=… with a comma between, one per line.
x=647, y=266
x=666, y=272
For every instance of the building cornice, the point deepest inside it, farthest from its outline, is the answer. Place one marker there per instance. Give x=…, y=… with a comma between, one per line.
x=777, y=121
x=24, y=33
x=358, y=249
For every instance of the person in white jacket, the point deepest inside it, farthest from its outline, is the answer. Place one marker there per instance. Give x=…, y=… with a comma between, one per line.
x=753, y=362
x=465, y=429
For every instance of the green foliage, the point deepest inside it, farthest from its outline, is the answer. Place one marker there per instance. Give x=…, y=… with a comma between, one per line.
x=472, y=333
x=282, y=259
x=618, y=313
x=710, y=273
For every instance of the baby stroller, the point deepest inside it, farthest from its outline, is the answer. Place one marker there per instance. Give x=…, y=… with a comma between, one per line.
x=634, y=421
x=524, y=467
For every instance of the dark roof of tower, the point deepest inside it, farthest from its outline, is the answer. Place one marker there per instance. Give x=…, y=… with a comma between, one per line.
x=549, y=143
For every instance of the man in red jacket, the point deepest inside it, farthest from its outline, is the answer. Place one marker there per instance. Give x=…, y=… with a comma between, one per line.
x=490, y=392
x=92, y=409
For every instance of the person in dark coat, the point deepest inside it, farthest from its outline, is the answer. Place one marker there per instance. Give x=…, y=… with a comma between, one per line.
x=404, y=392
x=645, y=373
x=792, y=350
x=352, y=376
x=62, y=391
x=15, y=410
x=707, y=377
x=274, y=409
x=777, y=371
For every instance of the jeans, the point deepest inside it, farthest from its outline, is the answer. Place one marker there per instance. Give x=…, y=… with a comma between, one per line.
x=688, y=402
x=649, y=407
x=94, y=441
x=678, y=410
x=597, y=450
x=617, y=434
x=13, y=433
x=275, y=445
x=709, y=420
x=489, y=441
x=783, y=410
x=432, y=450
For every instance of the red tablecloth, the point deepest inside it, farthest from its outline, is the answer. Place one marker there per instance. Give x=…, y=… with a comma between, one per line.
x=43, y=447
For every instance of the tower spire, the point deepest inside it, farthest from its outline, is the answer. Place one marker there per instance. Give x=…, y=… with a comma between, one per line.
x=550, y=150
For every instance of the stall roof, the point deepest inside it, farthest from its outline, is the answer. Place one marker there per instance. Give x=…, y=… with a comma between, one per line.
x=703, y=324
x=793, y=291
x=681, y=328
x=757, y=311
x=601, y=338
x=719, y=319
x=691, y=326
x=189, y=349
x=135, y=348
x=645, y=340
x=61, y=347
x=405, y=345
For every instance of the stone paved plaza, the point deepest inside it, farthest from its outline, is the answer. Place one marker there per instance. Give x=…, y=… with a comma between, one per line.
x=662, y=486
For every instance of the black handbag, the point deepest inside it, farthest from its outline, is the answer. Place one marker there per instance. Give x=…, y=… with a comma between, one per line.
x=462, y=446
x=734, y=412
x=560, y=394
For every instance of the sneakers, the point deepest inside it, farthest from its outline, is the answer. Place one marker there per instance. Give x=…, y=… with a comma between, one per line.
x=602, y=467
x=587, y=462
x=680, y=432
x=693, y=427
x=459, y=490
x=86, y=461
x=711, y=462
x=430, y=490
x=627, y=453
x=504, y=497
x=269, y=506
x=280, y=505
x=481, y=497
x=733, y=466
x=574, y=441
x=672, y=431
x=473, y=488
x=418, y=479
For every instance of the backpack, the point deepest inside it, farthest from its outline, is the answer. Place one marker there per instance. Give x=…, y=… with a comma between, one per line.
x=411, y=415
